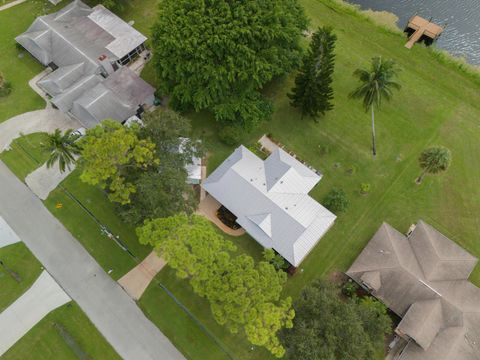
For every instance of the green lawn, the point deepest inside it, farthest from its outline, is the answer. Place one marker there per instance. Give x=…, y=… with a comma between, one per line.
x=45, y=341
x=19, y=260
x=85, y=229
x=27, y=154
x=186, y=333
x=17, y=66
x=437, y=105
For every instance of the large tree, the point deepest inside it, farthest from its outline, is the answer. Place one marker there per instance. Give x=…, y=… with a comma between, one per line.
x=434, y=160
x=218, y=54
x=242, y=294
x=329, y=328
x=112, y=154
x=376, y=84
x=162, y=191
x=313, y=92
x=63, y=149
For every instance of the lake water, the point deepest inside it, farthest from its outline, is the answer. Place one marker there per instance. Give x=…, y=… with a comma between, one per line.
x=462, y=17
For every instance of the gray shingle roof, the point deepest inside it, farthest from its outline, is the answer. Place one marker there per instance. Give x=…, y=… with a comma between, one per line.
x=79, y=33
x=270, y=199
x=424, y=279
x=118, y=98
x=75, y=39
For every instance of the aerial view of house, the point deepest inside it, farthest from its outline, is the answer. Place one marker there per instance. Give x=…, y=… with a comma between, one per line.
x=211, y=180
x=85, y=50
x=423, y=278
x=271, y=202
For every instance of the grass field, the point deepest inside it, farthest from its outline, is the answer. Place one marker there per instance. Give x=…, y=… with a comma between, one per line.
x=46, y=342
x=17, y=66
x=437, y=105
x=27, y=154
x=85, y=229
x=19, y=260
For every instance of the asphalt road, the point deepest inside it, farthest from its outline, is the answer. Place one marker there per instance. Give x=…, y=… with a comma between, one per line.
x=112, y=311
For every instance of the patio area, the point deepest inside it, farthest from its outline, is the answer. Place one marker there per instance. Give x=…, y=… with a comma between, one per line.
x=208, y=207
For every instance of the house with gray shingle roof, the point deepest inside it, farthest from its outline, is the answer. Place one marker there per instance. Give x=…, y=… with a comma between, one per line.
x=271, y=202
x=423, y=278
x=87, y=50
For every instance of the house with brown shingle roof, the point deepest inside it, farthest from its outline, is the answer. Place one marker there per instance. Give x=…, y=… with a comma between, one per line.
x=423, y=278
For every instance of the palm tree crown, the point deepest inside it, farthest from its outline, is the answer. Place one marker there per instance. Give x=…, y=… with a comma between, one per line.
x=376, y=84
x=434, y=160
x=62, y=148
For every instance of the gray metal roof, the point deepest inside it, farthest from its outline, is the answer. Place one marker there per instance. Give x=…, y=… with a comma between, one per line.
x=424, y=279
x=270, y=199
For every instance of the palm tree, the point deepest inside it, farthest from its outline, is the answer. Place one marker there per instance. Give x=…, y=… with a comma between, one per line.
x=433, y=161
x=376, y=84
x=62, y=148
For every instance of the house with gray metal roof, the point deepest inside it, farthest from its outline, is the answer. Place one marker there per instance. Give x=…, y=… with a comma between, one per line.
x=271, y=202
x=87, y=50
x=423, y=278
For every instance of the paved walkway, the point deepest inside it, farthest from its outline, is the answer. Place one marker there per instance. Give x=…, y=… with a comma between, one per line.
x=12, y=4
x=208, y=207
x=15, y=321
x=33, y=84
x=32, y=122
x=136, y=281
x=7, y=235
x=44, y=180
x=268, y=144
x=110, y=308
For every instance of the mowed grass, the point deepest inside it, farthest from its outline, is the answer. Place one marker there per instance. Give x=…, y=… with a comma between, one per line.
x=45, y=342
x=26, y=154
x=207, y=340
x=437, y=105
x=85, y=228
x=18, y=66
x=19, y=271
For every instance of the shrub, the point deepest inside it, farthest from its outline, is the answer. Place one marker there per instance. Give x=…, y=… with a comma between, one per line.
x=336, y=200
x=349, y=288
x=278, y=262
x=364, y=188
x=5, y=86
x=230, y=134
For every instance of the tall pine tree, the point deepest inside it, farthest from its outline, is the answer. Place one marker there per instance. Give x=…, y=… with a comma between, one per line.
x=313, y=92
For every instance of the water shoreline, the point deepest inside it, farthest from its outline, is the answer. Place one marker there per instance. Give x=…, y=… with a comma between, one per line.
x=388, y=22
x=462, y=35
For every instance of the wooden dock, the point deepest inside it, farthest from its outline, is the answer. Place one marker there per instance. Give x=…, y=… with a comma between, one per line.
x=421, y=28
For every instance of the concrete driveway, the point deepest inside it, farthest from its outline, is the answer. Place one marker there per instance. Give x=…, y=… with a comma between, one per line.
x=44, y=180
x=46, y=120
x=110, y=309
x=7, y=235
x=15, y=321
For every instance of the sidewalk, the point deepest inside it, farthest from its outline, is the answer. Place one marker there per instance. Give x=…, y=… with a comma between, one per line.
x=136, y=281
x=44, y=296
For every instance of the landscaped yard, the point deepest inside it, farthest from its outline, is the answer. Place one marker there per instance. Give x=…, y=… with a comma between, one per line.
x=65, y=333
x=19, y=272
x=19, y=67
x=437, y=105
x=26, y=155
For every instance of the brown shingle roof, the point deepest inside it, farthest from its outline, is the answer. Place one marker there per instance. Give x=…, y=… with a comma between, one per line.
x=423, y=278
